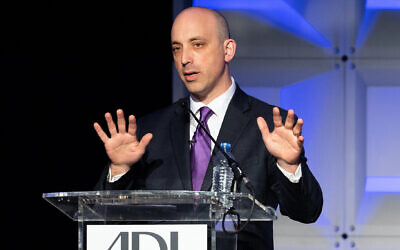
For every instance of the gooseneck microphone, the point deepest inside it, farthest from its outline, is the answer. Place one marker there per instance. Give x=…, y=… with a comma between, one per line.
x=238, y=174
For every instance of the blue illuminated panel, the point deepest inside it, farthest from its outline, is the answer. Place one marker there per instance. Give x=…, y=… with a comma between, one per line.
x=372, y=7
x=368, y=22
x=382, y=184
x=383, y=139
x=276, y=12
x=383, y=4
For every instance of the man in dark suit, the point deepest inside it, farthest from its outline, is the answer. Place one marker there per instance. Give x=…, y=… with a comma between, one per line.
x=266, y=141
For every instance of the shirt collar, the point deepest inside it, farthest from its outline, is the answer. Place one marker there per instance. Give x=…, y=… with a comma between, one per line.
x=219, y=105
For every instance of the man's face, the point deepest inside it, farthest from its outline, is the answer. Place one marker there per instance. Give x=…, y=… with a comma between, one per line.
x=198, y=53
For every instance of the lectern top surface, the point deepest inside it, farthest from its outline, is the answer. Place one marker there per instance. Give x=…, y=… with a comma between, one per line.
x=154, y=205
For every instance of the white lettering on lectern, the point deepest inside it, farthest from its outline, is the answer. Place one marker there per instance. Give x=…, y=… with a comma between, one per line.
x=146, y=237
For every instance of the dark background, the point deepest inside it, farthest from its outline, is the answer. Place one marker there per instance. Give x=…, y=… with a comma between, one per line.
x=63, y=65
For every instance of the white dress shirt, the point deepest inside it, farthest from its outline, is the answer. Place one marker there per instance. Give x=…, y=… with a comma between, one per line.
x=219, y=106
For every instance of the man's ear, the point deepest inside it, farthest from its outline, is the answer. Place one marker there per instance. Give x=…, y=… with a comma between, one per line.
x=230, y=49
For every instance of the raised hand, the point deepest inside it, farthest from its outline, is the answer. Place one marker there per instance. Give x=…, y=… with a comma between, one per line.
x=285, y=141
x=123, y=148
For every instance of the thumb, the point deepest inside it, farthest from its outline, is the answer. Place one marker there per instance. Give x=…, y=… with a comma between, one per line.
x=145, y=140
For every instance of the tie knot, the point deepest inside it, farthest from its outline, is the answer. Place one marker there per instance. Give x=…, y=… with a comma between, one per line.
x=205, y=113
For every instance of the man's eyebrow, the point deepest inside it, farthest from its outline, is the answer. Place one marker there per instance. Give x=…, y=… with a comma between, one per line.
x=196, y=38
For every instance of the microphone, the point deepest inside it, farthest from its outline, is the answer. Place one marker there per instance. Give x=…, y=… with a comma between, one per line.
x=238, y=177
x=238, y=174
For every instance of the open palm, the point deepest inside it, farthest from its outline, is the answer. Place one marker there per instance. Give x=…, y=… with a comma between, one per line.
x=123, y=148
x=285, y=141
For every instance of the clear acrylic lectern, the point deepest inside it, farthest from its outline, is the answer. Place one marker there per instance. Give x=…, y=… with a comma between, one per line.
x=158, y=207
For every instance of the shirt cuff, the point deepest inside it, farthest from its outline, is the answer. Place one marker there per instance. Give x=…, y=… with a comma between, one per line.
x=114, y=178
x=294, y=178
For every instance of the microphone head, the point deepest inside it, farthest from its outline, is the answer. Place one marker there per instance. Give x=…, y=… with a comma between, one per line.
x=183, y=103
x=185, y=106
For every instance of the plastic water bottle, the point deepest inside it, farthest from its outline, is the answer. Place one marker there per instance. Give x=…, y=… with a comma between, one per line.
x=222, y=173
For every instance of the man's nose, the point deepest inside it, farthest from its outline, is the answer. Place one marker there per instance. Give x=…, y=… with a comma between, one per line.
x=186, y=57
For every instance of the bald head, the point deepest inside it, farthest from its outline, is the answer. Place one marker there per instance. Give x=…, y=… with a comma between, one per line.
x=202, y=51
x=221, y=25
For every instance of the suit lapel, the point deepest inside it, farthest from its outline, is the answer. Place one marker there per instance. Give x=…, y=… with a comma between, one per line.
x=179, y=136
x=232, y=127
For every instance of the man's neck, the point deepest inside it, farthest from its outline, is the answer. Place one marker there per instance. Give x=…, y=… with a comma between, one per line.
x=218, y=91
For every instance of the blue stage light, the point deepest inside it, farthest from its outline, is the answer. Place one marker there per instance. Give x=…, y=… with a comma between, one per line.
x=276, y=12
x=384, y=184
x=368, y=22
x=372, y=8
x=383, y=4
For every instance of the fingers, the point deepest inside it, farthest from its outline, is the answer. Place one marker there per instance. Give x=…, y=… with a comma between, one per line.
x=132, y=125
x=289, y=119
x=300, y=141
x=263, y=126
x=276, y=117
x=103, y=136
x=121, y=121
x=110, y=124
x=298, y=127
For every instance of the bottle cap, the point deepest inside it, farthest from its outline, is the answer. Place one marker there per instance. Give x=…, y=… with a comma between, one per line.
x=225, y=146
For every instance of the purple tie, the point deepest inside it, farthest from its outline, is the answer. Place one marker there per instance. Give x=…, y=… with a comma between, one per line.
x=201, y=150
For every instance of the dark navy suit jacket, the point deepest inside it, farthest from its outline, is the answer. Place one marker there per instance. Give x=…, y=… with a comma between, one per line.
x=166, y=164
